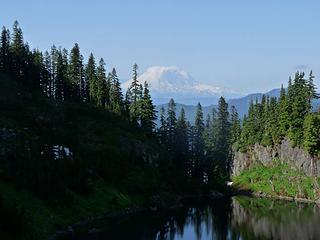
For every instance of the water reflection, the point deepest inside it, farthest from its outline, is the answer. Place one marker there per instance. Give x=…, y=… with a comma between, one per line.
x=229, y=218
x=263, y=218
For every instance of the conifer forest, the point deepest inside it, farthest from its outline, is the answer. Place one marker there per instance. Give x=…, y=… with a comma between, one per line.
x=74, y=144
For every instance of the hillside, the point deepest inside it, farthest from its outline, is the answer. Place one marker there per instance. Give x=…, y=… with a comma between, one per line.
x=73, y=146
x=67, y=154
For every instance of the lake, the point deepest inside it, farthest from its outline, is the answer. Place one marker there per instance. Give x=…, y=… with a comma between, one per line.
x=227, y=218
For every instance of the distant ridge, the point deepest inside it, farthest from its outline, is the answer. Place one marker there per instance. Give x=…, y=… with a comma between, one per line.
x=241, y=104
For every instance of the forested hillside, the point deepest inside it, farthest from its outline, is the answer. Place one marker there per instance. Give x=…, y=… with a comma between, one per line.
x=69, y=139
x=66, y=140
x=290, y=116
x=276, y=153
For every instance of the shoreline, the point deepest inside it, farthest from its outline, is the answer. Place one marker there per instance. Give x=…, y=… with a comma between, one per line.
x=181, y=202
x=279, y=197
x=260, y=194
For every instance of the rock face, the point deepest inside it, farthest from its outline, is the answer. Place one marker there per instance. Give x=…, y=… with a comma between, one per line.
x=294, y=156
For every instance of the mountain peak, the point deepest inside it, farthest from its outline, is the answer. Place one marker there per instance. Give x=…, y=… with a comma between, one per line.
x=167, y=82
x=164, y=79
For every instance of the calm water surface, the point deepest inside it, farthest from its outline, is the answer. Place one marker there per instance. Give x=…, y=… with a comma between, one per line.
x=229, y=218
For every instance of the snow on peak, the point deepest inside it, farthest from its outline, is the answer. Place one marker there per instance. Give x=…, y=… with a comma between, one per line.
x=164, y=79
x=173, y=82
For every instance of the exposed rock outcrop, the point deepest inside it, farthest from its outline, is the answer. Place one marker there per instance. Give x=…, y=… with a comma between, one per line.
x=294, y=156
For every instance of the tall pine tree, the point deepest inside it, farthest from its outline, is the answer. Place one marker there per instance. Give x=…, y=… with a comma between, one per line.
x=182, y=145
x=162, y=130
x=135, y=97
x=78, y=88
x=222, y=146
x=91, y=77
x=18, y=51
x=116, y=97
x=102, y=85
x=148, y=114
x=235, y=127
x=5, y=50
x=171, y=125
x=198, y=143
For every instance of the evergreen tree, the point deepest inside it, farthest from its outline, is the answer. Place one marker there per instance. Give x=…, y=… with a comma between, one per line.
x=271, y=127
x=182, y=147
x=162, y=131
x=299, y=108
x=18, y=51
x=311, y=134
x=283, y=113
x=248, y=129
x=47, y=78
x=208, y=140
x=208, y=121
x=148, y=114
x=222, y=146
x=62, y=74
x=127, y=103
x=260, y=110
x=38, y=70
x=91, y=77
x=5, y=50
x=76, y=75
x=207, y=134
x=54, y=71
x=212, y=133
x=243, y=135
x=235, y=128
x=116, y=98
x=109, y=84
x=102, y=86
x=135, y=85
x=266, y=138
x=171, y=125
x=191, y=148
x=312, y=93
x=135, y=96
x=198, y=143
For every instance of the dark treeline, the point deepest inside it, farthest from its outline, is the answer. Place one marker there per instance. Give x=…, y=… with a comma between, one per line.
x=65, y=123
x=200, y=149
x=64, y=76
x=64, y=81
x=61, y=119
x=288, y=117
x=197, y=151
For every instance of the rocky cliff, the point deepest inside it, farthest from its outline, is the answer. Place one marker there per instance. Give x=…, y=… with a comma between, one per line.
x=294, y=156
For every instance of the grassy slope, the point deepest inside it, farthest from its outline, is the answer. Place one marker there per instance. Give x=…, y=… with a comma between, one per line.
x=41, y=219
x=279, y=180
x=95, y=136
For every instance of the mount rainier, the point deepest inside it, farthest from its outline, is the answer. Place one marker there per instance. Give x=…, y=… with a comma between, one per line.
x=173, y=82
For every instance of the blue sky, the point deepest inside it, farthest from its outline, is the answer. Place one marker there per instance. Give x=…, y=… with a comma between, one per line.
x=247, y=46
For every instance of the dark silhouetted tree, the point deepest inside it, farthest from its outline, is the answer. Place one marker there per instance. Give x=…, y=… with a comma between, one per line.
x=148, y=113
x=116, y=98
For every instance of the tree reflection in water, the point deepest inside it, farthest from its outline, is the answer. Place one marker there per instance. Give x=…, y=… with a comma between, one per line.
x=229, y=218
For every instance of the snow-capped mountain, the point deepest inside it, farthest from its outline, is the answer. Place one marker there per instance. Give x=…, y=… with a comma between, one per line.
x=173, y=82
